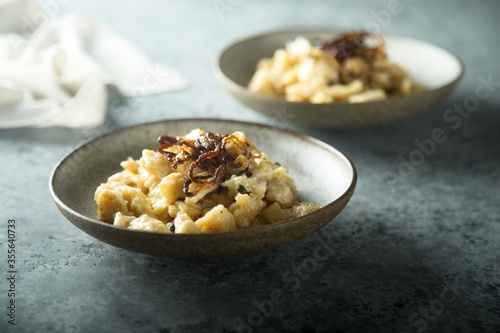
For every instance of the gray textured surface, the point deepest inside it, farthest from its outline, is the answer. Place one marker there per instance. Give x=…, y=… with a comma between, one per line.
x=416, y=253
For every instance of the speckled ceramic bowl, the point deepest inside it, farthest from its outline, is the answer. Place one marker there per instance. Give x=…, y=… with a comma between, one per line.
x=437, y=70
x=322, y=174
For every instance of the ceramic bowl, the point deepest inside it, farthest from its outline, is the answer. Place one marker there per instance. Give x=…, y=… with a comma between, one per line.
x=322, y=174
x=437, y=70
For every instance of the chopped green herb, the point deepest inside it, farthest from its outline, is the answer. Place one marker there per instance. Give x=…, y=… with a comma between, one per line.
x=243, y=190
x=172, y=227
x=249, y=174
x=277, y=163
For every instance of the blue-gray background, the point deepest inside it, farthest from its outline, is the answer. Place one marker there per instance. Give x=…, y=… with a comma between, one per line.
x=417, y=253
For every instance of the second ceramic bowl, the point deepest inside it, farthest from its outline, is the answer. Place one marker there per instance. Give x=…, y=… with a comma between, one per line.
x=437, y=70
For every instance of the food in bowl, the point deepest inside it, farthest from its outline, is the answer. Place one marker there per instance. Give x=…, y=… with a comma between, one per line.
x=201, y=183
x=353, y=68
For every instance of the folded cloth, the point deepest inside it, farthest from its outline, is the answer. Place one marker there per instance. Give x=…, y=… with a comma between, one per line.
x=58, y=75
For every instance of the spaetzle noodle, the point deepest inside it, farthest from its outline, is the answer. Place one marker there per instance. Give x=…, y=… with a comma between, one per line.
x=173, y=190
x=302, y=72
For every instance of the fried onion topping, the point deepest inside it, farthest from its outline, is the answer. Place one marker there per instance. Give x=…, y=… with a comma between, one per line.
x=214, y=158
x=353, y=44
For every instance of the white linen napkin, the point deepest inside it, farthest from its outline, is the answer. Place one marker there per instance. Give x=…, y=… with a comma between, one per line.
x=58, y=75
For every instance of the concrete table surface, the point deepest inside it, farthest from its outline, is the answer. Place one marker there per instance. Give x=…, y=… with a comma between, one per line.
x=416, y=250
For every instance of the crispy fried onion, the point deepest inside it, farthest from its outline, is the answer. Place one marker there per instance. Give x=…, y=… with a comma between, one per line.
x=353, y=44
x=216, y=157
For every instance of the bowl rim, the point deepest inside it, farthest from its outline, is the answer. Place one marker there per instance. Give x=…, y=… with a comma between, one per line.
x=62, y=205
x=223, y=78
